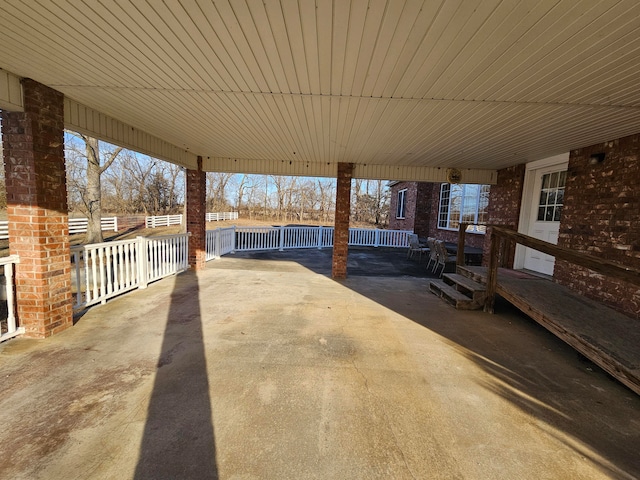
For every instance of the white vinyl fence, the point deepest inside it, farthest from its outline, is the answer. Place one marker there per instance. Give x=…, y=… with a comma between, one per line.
x=104, y=270
x=76, y=225
x=9, y=328
x=168, y=220
x=79, y=225
x=226, y=240
x=163, y=221
x=217, y=217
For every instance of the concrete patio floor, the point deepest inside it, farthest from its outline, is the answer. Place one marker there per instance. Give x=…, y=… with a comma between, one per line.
x=263, y=367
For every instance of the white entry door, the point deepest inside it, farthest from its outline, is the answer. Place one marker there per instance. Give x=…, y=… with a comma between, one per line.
x=545, y=216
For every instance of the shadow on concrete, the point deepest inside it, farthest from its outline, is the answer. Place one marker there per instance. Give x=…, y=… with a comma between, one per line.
x=527, y=365
x=178, y=439
x=535, y=371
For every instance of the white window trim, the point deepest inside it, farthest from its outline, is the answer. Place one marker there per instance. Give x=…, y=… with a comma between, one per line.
x=402, y=210
x=475, y=229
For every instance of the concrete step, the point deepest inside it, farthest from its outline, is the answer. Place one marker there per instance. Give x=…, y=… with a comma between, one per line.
x=476, y=291
x=448, y=293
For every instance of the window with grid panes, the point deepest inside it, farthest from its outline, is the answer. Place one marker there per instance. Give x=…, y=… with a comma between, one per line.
x=551, y=197
x=466, y=203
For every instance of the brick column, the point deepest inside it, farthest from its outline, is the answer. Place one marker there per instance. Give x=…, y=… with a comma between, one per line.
x=343, y=210
x=196, y=225
x=37, y=210
x=505, y=198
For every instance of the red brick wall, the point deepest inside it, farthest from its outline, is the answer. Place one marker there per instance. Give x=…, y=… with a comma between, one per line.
x=505, y=199
x=425, y=219
x=37, y=210
x=341, y=230
x=408, y=222
x=196, y=209
x=422, y=203
x=601, y=216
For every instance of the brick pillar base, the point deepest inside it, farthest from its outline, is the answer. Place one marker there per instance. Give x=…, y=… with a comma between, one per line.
x=343, y=211
x=37, y=210
x=196, y=225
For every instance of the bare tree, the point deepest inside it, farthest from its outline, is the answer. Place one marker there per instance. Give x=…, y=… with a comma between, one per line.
x=176, y=186
x=217, y=191
x=326, y=190
x=95, y=168
x=242, y=184
x=252, y=197
x=356, y=194
x=89, y=191
x=371, y=203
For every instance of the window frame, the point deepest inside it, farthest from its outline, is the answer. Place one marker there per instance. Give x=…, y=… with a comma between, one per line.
x=445, y=219
x=551, y=199
x=401, y=206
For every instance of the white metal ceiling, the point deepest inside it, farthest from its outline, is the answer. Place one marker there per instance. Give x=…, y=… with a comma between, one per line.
x=397, y=84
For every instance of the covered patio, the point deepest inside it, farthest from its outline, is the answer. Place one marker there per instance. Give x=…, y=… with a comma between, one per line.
x=368, y=377
x=408, y=90
x=257, y=366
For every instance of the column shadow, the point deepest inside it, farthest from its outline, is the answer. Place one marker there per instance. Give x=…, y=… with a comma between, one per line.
x=178, y=439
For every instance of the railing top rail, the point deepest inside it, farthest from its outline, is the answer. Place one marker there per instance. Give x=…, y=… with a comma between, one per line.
x=93, y=245
x=591, y=262
x=166, y=237
x=127, y=241
x=256, y=229
x=9, y=259
x=308, y=227
x=222, y=229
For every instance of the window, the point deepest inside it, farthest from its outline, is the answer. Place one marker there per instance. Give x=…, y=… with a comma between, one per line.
x=551, y=197
x=463, y=203
x=402, y=194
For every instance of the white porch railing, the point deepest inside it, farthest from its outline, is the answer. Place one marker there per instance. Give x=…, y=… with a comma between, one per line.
x=165, y=255
x=105, y=270
x=216, y=217
x=257, y=238
x=226, y=240
x=220, y=242
x=10, y=329
x=76, y=225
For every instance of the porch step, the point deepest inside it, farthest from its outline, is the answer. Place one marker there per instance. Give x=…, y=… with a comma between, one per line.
x=476, y=291
x=477, y=274
x=460, y=291
x=449, y=294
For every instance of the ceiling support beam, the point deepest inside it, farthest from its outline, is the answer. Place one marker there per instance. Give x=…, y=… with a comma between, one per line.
x=329, y=169
x=85, y=120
